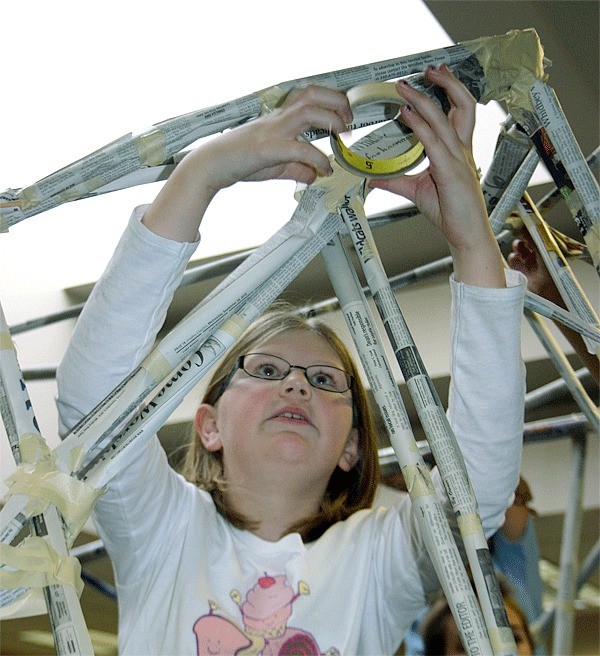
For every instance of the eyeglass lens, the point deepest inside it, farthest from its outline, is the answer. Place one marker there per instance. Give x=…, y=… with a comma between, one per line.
x=325, y=377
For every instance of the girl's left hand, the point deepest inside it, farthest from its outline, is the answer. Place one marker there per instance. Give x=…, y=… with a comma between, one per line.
x=448, y=191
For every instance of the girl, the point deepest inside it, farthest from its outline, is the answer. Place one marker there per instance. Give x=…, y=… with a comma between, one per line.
x=271, y=548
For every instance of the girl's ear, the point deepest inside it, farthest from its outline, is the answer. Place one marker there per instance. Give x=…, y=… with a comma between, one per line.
x=351, y=452
x=207, y=428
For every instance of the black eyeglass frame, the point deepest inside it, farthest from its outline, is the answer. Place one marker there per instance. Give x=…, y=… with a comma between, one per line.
x=349, y=377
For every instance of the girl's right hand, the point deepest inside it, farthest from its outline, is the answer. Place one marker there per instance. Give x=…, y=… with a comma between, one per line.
x=263, y=149
x=270, y=148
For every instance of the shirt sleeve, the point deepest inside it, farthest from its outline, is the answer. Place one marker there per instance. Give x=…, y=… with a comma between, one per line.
x=115, y=331
x=121, y=318
x=487, y=390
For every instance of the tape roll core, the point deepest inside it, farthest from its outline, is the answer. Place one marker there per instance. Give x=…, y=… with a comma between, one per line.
x=380, y=93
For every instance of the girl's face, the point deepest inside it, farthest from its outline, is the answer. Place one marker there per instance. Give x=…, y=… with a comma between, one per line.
x=286, y=427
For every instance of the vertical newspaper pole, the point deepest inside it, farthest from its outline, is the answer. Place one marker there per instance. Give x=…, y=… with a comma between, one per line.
x=437, y=428
x=428, y=510
x=571, y=534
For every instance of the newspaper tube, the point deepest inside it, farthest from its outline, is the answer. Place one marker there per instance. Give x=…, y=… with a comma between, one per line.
x=435, y=423
x=548, y=128
x=564, y=623
x=428, y=511
x=565, y=370
x=475, y=62
x=558, y=267
x=61, y=600
x=511, y=148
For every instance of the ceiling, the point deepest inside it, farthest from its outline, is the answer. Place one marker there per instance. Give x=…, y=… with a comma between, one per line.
x=569, y=32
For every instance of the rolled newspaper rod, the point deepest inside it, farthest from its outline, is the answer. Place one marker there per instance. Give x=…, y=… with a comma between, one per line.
x=470, y=61
x=562, y=642
x=434, y=421
x=580, y=396
x=558, y=267
x=551, y=391
x=564, y=160
x=428, y=510
x=62, y=601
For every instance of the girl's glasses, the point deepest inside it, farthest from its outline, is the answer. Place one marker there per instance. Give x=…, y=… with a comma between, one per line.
x=271, y=367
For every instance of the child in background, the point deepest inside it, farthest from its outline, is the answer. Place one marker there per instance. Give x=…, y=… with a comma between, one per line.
x=272, y=547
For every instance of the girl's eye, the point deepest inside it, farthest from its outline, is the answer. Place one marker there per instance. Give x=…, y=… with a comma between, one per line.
x=323, y=379
x=267, y=371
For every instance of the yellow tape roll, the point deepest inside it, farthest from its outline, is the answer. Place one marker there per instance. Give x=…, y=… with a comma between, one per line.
x=380, y=93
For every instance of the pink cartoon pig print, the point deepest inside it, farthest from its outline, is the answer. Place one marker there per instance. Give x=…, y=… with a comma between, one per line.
x=265, y=613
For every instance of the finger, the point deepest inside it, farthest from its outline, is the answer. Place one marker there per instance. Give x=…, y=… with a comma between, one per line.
x=404, y=185
x=303, y=153
x=523, y=248
x=322, y=97
x=516, y=263
x=427, y=132
x=298, y=172
x=299, y=119
x=462, y=102
x=440, y=124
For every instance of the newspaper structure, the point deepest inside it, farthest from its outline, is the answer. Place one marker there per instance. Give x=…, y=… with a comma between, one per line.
x=547, y=127
x=61, y=600
x=482, y=65
x=499, y=68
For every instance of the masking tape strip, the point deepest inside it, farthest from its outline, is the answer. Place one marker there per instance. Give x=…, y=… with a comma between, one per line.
x=32, y=448
x=11, y=210
x=564, y=606
x=339, y=184
x=380, y=93
x=151, y=148
x=418, y=482
x=271, y=98
x=44, y=484
x=157, y=366
x=6, y=342
x=469, y=524
x=499, y=645
x=37, y=565
x=234, y=326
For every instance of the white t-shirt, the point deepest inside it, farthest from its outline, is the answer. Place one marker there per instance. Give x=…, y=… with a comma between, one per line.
x=190, y=583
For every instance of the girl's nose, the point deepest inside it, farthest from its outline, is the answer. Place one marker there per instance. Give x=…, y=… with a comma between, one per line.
x=296, y=380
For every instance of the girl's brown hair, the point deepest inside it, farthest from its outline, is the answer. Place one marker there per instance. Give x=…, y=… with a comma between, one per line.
x=346, y=492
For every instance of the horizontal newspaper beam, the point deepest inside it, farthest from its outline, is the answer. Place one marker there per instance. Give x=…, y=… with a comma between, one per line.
x=543, y=430
x=551, y=391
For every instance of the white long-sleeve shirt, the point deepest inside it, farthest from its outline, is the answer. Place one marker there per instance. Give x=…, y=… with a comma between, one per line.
x=189, y=582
